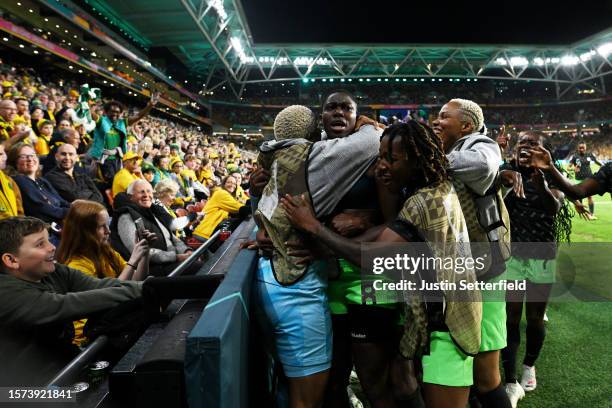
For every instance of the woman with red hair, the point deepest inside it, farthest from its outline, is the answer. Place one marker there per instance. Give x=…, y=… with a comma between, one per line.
x=85, y=245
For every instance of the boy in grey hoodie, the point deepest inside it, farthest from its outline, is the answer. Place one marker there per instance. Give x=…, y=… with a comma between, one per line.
x=40, y=299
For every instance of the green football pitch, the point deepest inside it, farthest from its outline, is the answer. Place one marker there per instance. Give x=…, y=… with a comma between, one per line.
x=575, y=366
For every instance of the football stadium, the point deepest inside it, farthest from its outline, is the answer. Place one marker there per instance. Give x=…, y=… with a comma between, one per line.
x=184, y=219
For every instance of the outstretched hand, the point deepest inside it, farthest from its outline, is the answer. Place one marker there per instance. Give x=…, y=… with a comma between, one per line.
x=537, y=157
x=154, y=98
x=262, y=241
x=582, y=211
x=300, y=213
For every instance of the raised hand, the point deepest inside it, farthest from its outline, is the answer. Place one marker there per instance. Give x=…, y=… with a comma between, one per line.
x=258, y=181
x=537, y=157
x=154, y=98
x=502, y=138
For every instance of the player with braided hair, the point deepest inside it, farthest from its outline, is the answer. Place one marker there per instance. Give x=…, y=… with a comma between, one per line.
x=539, y=215
x=411, y=160
x=428, y=151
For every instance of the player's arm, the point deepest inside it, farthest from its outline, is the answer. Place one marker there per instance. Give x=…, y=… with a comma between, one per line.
x=540, y=158
x=572, y=163
x=597, y=162
x=145, y=111
x=301, y=215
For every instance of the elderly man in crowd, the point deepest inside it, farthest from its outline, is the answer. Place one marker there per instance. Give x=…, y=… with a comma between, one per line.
x=71, y=184
x=167, y=251
x=8, y=133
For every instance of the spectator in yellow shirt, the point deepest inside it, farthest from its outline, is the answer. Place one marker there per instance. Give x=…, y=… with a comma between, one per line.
x=190, y=165
x=23, y=110
x=239, y=194
x=45, y=129
x=10, y=196
x=219, y=207
x=129, y=173
x=206, y=174
x=85, y=245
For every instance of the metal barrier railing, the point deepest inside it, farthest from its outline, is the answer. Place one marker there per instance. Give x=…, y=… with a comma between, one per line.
x=194, y=255
x=79, y=362
x=92, y=350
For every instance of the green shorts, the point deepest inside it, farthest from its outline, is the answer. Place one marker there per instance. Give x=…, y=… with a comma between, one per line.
x=533, y=270
x=493, y=323
x=493, y=326
x=446, y=364
x=347, y=289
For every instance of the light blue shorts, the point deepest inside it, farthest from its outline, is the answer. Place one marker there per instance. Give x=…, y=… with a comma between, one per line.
x=296, y=318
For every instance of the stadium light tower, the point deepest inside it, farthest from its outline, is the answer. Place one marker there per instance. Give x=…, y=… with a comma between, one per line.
x=236, y=60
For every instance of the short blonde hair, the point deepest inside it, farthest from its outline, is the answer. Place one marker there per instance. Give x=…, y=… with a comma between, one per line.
x=294, y=122
x=471, y=111
x=166, y=186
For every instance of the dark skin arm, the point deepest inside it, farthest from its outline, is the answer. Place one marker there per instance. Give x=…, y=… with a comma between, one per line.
x=511, y=178
x=300, y=214
x=145, y=111
x=540, y=158
x=258, y=181
x=597, y=162
x=552, y=199
x=349, y=224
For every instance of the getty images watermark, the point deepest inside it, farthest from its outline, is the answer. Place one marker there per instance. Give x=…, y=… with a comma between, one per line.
x=405, y=264
x=555, y=272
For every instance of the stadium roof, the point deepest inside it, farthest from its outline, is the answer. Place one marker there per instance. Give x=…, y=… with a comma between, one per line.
x=213, y=40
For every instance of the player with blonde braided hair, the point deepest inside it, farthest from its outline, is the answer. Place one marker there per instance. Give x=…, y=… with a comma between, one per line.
x=474, y=161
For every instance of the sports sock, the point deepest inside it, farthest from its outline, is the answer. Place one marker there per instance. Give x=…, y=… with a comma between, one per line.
x=592, y=208
x=509, y=353
x=473, y=401
x=535, y=339
x=496, y=398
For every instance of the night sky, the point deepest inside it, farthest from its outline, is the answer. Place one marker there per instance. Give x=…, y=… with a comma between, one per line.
x=429, y=22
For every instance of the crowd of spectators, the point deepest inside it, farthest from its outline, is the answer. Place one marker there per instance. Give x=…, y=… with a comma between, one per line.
x=408, y=91
x=137, y=194
x=102, y=208
x=528, y=103
x=50, y=162
x=553, y=115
